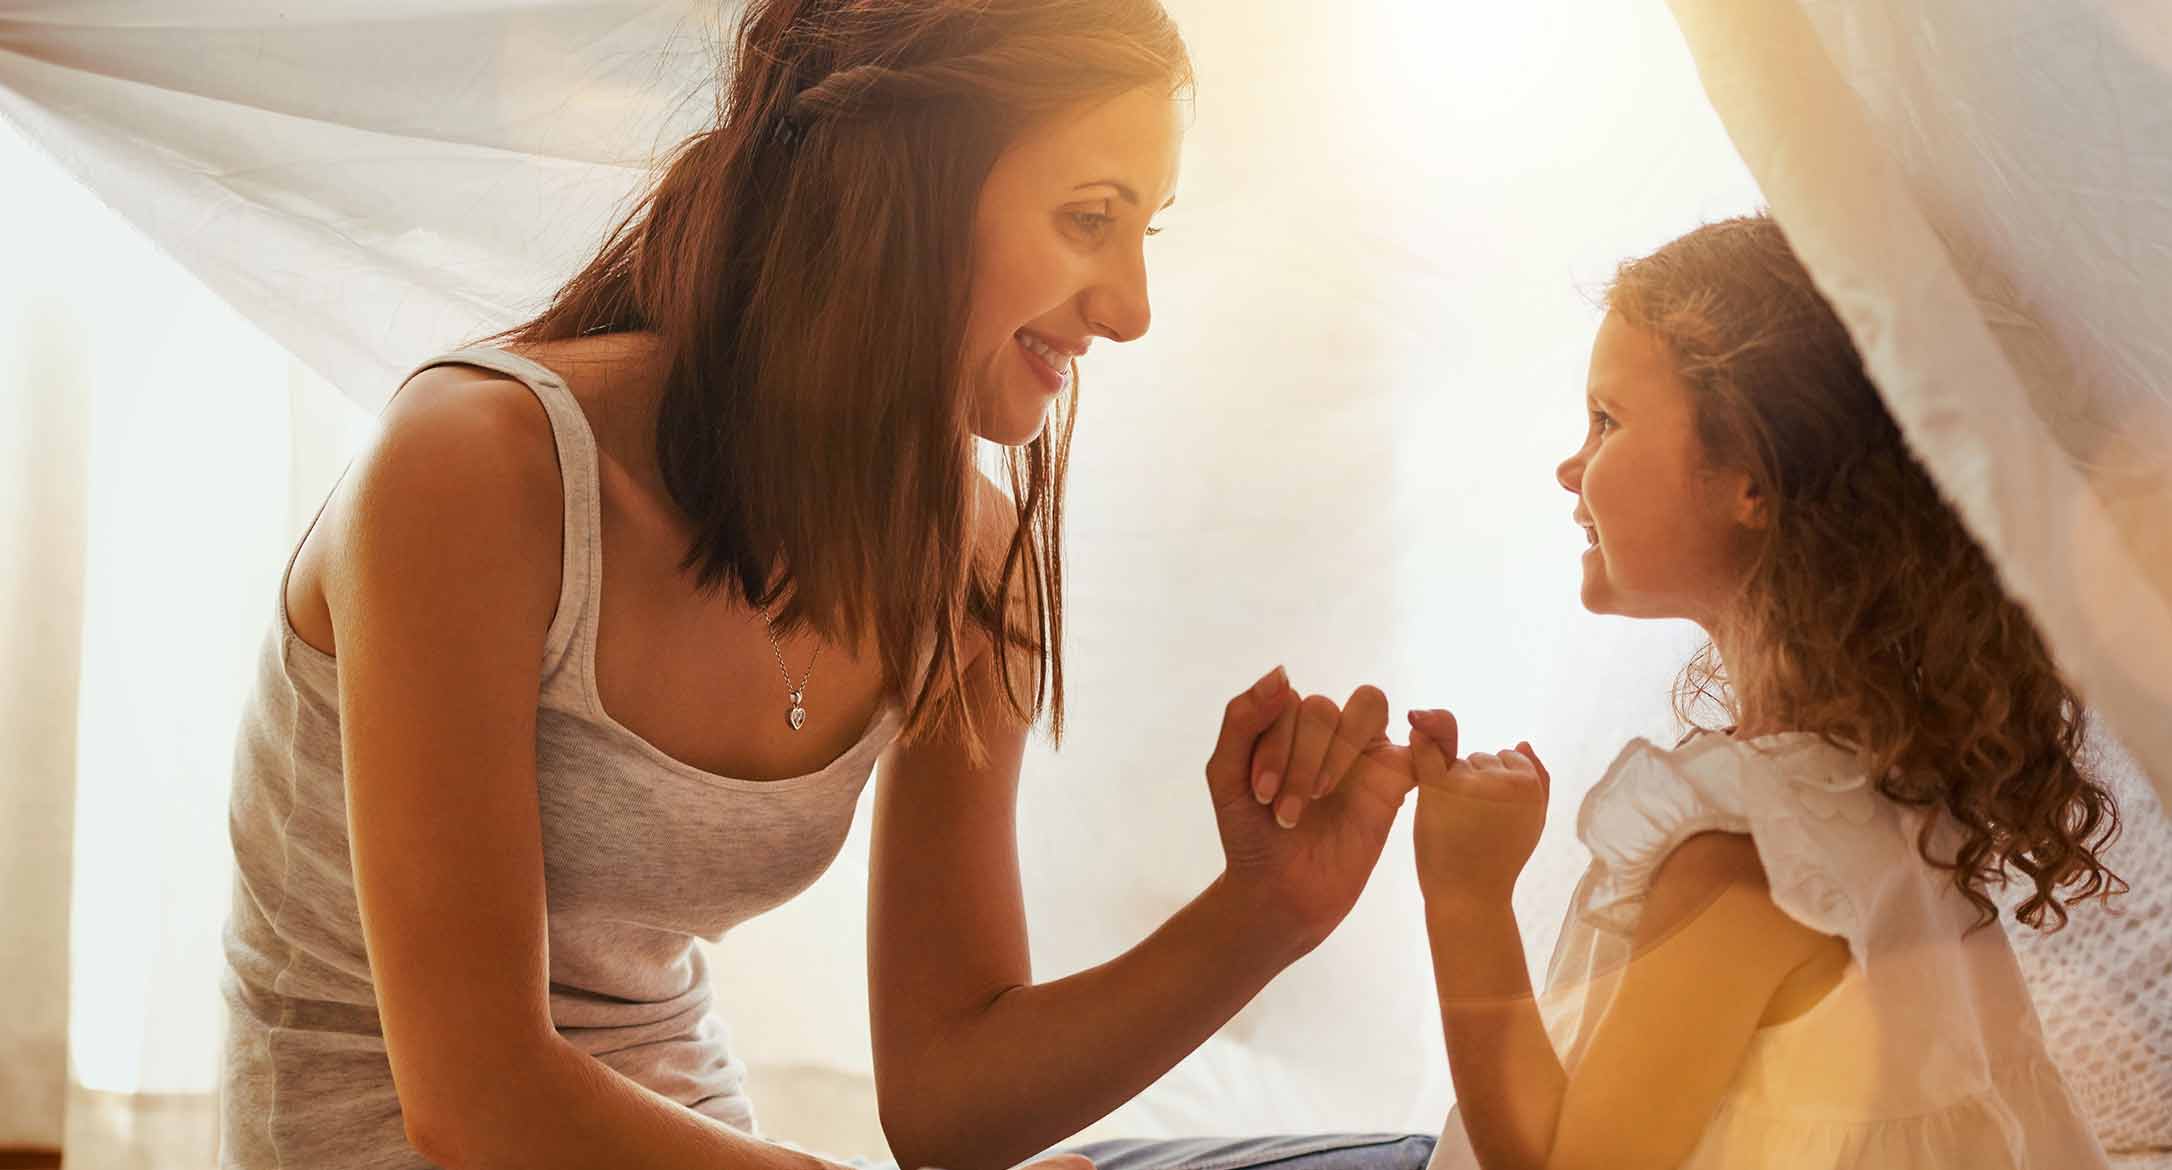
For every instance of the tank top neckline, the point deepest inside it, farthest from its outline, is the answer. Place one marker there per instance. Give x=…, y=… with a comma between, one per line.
x=574, y=623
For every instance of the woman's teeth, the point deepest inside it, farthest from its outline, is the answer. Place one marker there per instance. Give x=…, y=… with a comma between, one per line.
x=1049, y=357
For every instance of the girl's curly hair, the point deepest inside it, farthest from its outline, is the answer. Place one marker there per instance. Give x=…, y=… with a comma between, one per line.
x=1868, y=614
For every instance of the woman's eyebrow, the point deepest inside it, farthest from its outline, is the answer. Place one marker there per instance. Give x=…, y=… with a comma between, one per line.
x=1124, y=191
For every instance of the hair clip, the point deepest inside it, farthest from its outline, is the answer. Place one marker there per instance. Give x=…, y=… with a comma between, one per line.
x=787, y=131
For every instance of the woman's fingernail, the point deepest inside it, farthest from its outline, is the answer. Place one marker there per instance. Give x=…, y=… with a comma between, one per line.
x=1269, y=684
x=1264, y=787
x=1286, y=813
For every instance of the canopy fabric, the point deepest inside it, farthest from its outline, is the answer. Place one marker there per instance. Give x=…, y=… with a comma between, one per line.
x=365, y=182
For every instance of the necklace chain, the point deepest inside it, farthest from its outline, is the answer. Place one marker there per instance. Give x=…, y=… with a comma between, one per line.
x=798, y=715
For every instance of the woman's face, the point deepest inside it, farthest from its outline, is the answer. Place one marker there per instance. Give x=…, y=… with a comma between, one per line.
x=1059, y=253
x=1669, y=536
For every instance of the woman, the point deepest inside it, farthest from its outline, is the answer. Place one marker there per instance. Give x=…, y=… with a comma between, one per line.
x=493, y=783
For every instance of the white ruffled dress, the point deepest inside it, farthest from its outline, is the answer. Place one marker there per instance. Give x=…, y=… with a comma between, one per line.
x=1928, y=1053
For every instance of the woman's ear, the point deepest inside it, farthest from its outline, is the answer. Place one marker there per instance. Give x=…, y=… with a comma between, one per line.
x=1750, y=505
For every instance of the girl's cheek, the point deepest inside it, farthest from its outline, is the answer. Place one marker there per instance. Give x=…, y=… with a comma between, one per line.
x=1598, y=482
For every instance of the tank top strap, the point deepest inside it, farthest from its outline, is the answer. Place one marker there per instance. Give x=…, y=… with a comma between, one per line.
x=581, y=565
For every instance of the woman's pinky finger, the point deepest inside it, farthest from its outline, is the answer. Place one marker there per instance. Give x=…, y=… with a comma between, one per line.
x=1427, y=761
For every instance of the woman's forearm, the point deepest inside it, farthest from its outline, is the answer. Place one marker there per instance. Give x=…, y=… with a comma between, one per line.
x=1041, y=1062
x=1509, y=1081
x=558, y=1108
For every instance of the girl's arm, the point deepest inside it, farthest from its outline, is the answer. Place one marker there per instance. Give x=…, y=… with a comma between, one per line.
x=1711, y=951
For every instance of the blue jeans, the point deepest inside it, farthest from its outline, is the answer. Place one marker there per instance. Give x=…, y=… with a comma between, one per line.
x=1345, y=1151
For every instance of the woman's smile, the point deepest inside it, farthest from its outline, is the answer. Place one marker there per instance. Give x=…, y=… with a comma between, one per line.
x=1049, y=361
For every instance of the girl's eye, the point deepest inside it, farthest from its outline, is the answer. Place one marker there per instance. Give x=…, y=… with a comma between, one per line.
x=1601, y=421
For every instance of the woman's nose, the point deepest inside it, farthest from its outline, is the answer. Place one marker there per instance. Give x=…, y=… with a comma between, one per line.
x=1118, y=307
x=1570, y=475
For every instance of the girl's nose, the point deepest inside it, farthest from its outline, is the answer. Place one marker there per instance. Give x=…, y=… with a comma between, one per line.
x=1570, y=475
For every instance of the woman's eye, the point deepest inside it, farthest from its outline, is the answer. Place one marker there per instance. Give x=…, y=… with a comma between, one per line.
x=1095, y=225
x=1601, y=421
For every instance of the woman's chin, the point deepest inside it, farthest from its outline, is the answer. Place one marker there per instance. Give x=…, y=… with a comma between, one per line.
x=1015, y=419
x=1012, y=439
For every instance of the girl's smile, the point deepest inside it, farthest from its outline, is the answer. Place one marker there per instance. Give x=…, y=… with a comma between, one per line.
x=1666, y=534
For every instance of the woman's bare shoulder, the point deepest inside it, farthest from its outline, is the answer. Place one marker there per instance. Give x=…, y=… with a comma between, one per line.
x=463, y=471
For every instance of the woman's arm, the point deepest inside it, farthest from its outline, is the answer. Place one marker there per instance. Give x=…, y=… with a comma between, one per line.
x=442, y=589
x=1711, y=950
x=976, y=1065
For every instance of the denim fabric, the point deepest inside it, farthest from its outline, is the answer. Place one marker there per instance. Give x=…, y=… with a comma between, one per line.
x=1346, y=1151
x=1292, y=1151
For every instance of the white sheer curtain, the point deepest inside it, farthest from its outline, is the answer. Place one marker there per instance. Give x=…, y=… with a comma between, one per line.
x=167, y=453
x=1335, y=450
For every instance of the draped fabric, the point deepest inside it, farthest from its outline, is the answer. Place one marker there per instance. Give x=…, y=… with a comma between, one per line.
x=1335, y=450
x=363, y=182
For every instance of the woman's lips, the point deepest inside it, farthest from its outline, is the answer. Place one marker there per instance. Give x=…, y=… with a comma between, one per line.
x=1052, y=379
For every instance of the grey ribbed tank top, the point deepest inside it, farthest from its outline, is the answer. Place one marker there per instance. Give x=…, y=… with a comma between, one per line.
x=642, y=854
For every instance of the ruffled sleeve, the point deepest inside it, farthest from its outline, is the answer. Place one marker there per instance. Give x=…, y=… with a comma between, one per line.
x=1796, y=796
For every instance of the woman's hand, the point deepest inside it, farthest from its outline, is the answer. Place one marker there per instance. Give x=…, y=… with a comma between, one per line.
x=1304, y=844
x=1479, y=818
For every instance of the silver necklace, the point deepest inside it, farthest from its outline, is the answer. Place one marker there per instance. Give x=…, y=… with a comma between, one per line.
x=798, y=694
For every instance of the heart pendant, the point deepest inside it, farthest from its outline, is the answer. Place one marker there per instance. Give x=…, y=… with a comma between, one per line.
x=799, y=718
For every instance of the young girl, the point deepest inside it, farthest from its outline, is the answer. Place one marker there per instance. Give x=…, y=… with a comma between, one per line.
x=1783, y=954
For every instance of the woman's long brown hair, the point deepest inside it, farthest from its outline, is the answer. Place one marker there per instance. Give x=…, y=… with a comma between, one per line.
x=1869, y=615
x=804, y=264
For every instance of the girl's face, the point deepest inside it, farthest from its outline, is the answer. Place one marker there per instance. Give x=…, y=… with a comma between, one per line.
x=1058, y=253
x=1669, y=535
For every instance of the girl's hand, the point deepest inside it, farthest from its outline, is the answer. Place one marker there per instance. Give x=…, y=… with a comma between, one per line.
x=1309, y=874
x=1479, y=818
